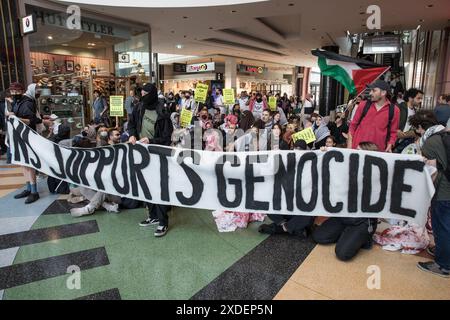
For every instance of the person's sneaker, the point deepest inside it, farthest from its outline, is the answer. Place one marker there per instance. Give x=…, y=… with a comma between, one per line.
x=22, y=195
x=84, y=211
x=111, y=207
x=434, y=268
x=272, y=228
x=161, y=231
x=149, y=222
x=33, y=197
x=430, y=251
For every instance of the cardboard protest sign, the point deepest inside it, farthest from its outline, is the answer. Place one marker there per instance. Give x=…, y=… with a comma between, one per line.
x=201, y=92
x=273, y=103
x=228, y=96
x=186, y=118
x=116, y=106
x=307, y=135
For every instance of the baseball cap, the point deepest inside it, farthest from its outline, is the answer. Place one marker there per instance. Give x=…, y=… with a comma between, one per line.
x=380, y=84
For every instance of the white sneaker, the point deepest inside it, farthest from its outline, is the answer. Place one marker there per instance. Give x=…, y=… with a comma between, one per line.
x=84, y=211
x=111, y=207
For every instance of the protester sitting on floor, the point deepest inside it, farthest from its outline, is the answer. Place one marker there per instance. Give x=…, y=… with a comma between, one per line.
x=349, y=234
x=96, y=199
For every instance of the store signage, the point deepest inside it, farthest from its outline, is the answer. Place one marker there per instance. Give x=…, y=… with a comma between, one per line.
x=179, y=67
x=28, y=25
x=47, y=17
x=251, y=69
x=124, y=58
x=201, y=67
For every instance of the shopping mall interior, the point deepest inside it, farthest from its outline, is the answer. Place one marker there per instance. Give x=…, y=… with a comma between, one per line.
x=258, y=45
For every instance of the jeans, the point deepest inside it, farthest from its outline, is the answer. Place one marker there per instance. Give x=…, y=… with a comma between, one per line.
x=440, y=221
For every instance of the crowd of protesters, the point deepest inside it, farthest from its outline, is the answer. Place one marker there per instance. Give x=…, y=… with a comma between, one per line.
x=380, y=122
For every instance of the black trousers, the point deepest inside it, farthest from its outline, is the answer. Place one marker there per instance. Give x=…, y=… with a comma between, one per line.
x=160, y=212
x=349, y=234
x=295, y=225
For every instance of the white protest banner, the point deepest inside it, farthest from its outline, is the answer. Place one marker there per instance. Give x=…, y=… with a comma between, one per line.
x=335, y=183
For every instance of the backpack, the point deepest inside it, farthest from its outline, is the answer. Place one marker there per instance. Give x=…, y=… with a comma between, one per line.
x=391, y=117
x=56, y=186
x=445, y=136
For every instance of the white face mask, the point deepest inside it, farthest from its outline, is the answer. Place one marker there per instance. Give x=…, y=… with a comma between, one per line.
x=103, y=134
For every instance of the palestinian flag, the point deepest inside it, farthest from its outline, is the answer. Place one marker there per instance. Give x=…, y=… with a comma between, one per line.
x=353, y=74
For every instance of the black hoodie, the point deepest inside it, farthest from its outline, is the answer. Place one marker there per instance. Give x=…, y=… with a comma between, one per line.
x=163, y=131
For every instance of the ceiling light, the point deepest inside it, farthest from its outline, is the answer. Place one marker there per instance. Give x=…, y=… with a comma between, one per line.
x=179, y=46
x=50, y=38
x=65, y=45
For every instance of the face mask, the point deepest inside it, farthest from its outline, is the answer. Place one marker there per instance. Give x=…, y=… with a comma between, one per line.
x=188, y=97
x=84, y=134
x=259, y=99
x=17, y=97
x=104, y=134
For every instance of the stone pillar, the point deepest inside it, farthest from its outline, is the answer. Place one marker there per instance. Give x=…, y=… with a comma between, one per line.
x=230, y=73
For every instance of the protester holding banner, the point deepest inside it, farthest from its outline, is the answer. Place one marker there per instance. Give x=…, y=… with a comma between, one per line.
x=434, y=144
x=151, y=124
x=24, y=107
x=376, y=120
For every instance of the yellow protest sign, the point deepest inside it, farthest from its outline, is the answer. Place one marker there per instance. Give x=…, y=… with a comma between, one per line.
x=116, y=106
x=307, y=135
x=186, y=118
x=228, y=96
x=273, y=103
x=201, y=91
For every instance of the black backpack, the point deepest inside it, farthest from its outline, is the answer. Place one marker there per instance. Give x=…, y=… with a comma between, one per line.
x=391, y=116
x=445, y=136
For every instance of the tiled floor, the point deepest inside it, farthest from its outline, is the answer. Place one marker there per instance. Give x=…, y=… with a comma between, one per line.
x=120, y=260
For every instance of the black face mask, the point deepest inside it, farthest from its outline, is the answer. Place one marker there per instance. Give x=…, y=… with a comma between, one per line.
x=187, y=97
x=259, y=99
x=17, y=97
x=84, y=134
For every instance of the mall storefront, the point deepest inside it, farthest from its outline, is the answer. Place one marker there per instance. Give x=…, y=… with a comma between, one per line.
x=178, y=77
x=69, y=64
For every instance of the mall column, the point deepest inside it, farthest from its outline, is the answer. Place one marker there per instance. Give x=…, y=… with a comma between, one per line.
x=230, y=73
x=331, y=92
